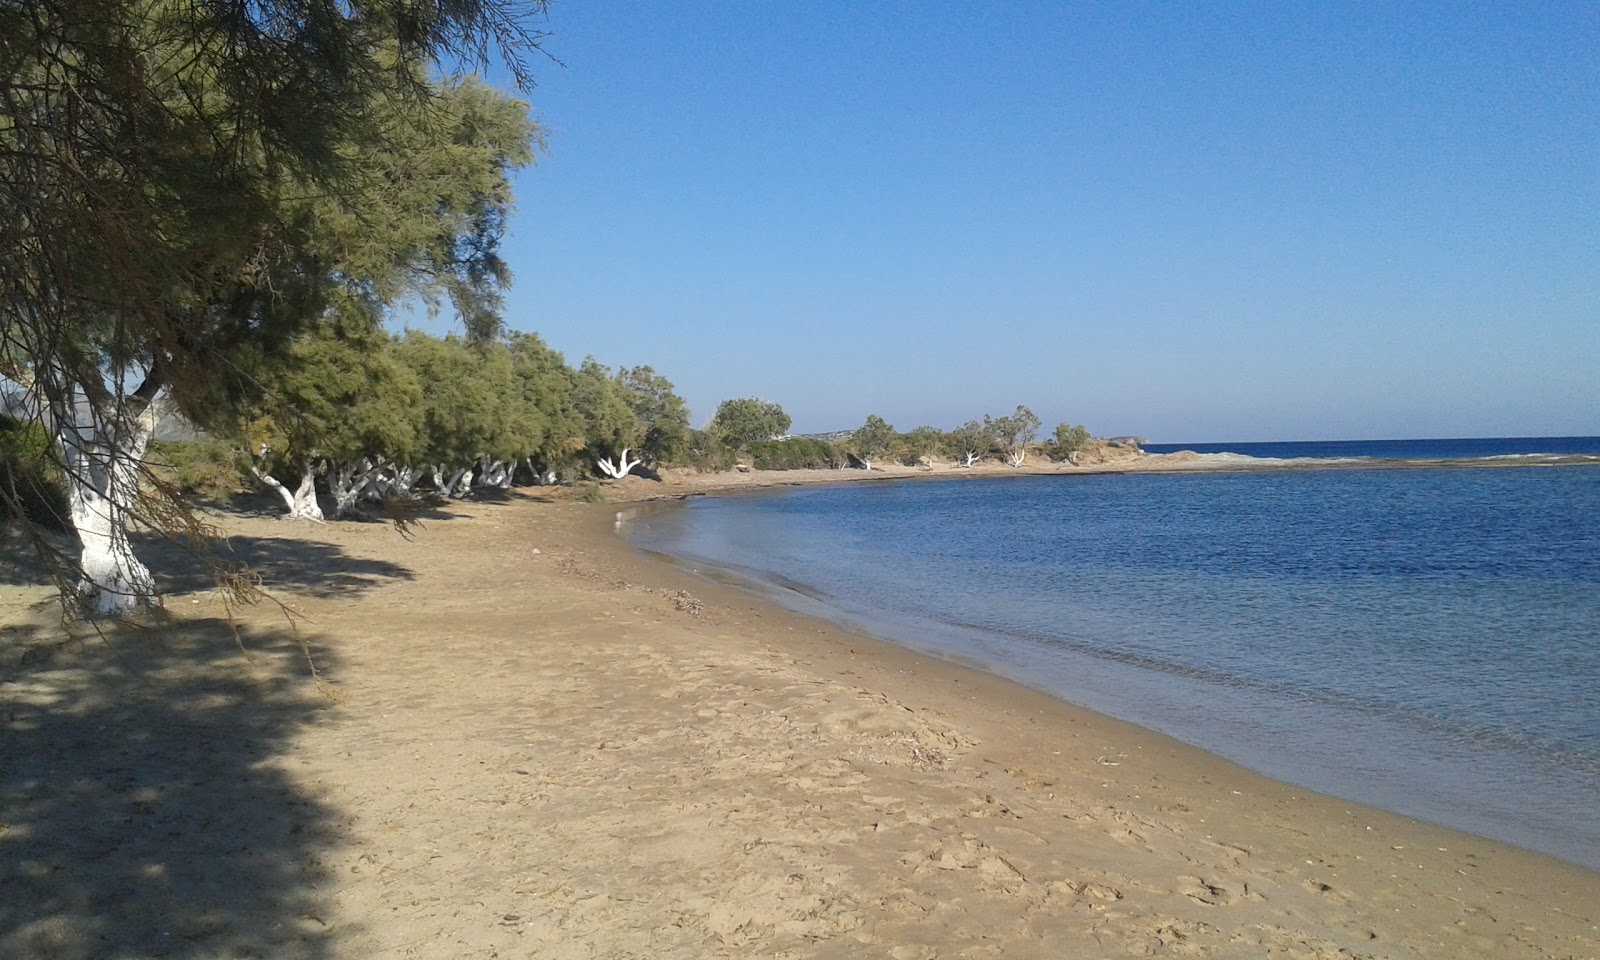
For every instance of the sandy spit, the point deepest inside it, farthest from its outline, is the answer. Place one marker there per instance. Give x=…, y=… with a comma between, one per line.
x=532, y=741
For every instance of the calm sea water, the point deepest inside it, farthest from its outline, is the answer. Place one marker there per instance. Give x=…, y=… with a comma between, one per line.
x=1464, y=448
x=1424, y=640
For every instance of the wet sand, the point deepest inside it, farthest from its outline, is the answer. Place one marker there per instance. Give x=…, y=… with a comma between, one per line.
x=535, y=742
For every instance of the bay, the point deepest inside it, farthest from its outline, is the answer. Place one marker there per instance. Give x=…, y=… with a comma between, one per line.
x=1424, y=640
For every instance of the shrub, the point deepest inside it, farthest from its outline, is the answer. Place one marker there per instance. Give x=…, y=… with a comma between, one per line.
x=706, y=453
x=31, y=482
x=209, y=468
x=800, y=453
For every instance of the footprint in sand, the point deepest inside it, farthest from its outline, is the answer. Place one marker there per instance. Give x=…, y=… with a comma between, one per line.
x=1217, y=893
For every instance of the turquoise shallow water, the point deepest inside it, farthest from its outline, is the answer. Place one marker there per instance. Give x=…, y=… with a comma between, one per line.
x=1424, y=640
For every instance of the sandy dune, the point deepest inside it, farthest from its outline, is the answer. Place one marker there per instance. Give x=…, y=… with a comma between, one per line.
x=545, y=745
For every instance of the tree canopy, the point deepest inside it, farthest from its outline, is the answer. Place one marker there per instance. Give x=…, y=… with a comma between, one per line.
x=1013, y=434
x=185, y=185
x=739, y=423
x=662, y=416
x=872, y=440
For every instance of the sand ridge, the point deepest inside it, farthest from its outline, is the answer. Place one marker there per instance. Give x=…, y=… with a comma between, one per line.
x=547, y=745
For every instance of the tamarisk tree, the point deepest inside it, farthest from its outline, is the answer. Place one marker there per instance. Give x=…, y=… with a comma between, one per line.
x=1013, y=434
x=872, y=440
x=921, y=444
x=337, y=407
x=611, y=428
x=544, y=387
x=739, y=423
x=662, y=416
x=971, y=442
x=1069, y=441
x=156, y=161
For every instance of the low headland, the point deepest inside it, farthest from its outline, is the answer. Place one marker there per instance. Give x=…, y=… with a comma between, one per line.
x=525, y=738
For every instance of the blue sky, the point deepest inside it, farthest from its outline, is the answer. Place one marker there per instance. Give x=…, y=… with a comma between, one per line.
x=1187, y=222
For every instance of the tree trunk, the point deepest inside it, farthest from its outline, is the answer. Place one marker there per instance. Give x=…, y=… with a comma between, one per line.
x=542, y=477
x=302, y=502
x=102, y=459
x=348, y=482
x=459, y=484
x=621, y=468
x=1017, y=456
x=405, y=481
x=496, y=474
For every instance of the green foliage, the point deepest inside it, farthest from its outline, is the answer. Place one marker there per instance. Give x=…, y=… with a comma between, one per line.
x=799, y=453
x=189, y=186
x=705, y=452
x=1013, y=434
x=183, y=179
x=593, y=494
x=32, y=487
x=970, y=442
x=740, y=423
x=920, y=445
x=1068, y=441
x=544, y=385
x=463, y=410
x=610, y=425
x=210, y=468
x=662, y=415
x=873, y=439
x=335, y=398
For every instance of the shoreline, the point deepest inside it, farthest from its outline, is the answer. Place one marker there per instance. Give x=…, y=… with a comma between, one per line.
x=798, y=599
x=681, y=483
x=548, y=742
x=896, y=631
x=1001, y=699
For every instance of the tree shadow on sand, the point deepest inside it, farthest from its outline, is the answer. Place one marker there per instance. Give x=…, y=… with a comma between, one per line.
x=146, y=810
x=297, y=564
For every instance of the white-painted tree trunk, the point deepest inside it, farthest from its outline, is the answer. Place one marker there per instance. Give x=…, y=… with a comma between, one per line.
x=496, y=474
x=970, y=459
x=542, y=478
x=405, y=481
x=102, y=454
x=302, y=501
x=348, y=482
x=1017, y=456
x=459, y=484
x=618, y=469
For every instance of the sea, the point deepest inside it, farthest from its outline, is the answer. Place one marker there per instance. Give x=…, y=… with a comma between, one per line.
x=1424, y=640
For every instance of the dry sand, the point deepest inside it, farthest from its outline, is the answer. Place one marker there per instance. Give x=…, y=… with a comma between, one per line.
x=546, y=745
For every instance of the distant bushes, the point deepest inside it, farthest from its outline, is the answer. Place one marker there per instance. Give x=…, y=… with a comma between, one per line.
x=210, y=468
x=799, y=453
x=706, y=452
x=31, y=483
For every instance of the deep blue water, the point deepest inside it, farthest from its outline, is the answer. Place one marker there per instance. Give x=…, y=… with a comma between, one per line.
x=1424, y=640
x=1396, y=449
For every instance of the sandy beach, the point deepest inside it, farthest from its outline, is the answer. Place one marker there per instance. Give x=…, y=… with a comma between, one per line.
x=529, y=740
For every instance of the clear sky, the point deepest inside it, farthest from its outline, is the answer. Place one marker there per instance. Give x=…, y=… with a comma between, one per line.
x=1189, y=222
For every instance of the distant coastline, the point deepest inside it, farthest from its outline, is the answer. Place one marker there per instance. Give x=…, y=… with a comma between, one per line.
x=1460, y=448
x=680, y=482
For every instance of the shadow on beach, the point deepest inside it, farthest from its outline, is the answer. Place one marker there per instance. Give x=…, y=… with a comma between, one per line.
x=144, y=810
x=298, y=564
